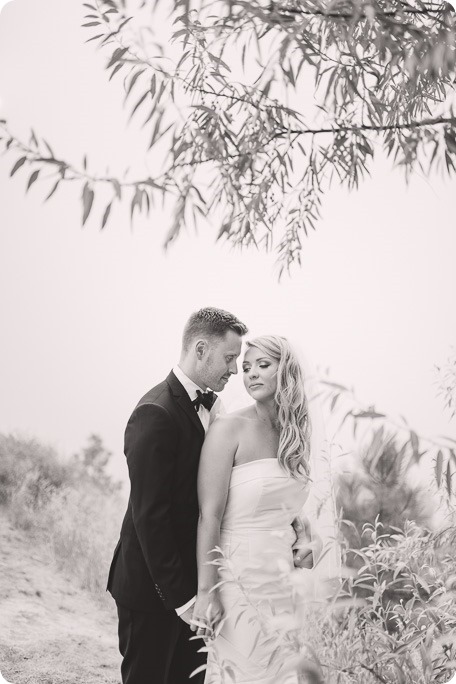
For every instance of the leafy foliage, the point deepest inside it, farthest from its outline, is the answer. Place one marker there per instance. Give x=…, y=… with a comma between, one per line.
x=92, y=464
x=402, y=630
x=226, y=94
x=447, y=383
x=376, y=489
x=376, y=494
x=407, y=622
x=408, y=446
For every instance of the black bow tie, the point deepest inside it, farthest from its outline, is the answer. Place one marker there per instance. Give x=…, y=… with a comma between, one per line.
x=206, y=399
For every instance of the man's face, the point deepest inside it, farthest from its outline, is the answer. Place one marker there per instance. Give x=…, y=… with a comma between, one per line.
x=218, y=362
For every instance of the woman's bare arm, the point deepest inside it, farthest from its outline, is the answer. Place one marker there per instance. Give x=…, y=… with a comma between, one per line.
x=216, y=463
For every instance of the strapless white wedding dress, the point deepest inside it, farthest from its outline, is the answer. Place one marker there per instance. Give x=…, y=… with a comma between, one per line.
x=256, y=539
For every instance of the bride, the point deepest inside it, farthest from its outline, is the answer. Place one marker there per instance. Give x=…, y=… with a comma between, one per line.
x=253, y=481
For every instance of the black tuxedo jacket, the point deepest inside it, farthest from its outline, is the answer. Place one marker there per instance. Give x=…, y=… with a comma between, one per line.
x=154, y=561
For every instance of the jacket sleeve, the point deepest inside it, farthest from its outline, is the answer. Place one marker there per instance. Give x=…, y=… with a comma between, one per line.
x=150, y=448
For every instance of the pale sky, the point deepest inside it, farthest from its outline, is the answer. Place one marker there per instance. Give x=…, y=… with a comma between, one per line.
x=92, y=320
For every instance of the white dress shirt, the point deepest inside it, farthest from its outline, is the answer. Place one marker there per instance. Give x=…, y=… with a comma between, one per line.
x=206, y=417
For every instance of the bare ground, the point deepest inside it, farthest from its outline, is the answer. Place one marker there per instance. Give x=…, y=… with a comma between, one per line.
x=50, y=630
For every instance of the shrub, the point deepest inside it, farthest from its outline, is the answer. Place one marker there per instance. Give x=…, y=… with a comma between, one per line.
x=27, y=463
x=73, y=509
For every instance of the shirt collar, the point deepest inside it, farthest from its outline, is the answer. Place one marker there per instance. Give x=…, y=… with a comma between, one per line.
x=189, y=386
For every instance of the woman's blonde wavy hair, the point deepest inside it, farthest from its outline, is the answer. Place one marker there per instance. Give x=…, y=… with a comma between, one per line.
x=291, y=400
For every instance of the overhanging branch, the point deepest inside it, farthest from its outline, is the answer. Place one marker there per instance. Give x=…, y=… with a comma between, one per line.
x=428, y=11
x=388, y=127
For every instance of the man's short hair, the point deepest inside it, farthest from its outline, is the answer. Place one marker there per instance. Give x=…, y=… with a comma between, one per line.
x=210, y=322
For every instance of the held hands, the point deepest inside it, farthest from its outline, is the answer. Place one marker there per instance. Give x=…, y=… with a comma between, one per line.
x=207, y=615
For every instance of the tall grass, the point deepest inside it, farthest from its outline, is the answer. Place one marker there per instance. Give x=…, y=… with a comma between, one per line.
x=72, y=513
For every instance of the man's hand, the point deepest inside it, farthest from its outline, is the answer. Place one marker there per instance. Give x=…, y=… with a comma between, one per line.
x=187, y=616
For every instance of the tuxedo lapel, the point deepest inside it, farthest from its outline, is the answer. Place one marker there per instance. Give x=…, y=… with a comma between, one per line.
x=184, y=402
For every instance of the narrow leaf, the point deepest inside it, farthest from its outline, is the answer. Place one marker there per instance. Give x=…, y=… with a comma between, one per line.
x=134, y=79
x=32, y=179
x=18, y=165
x=116, y=55
x=124, y=23
x=448, y=478
x=49, y=149
x=106, y=215
x=87, y=200
x=369, y=414
x=139, y=103
x=52, y=191
x=438, y=467
x=153, y=85
x=116, y=69
x=99, y=35
x=117, y=187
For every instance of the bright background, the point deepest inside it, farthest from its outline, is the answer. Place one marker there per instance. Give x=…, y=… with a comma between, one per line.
x=92, y=320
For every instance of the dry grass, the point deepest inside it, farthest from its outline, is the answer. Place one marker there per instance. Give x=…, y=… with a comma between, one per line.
x=51, y=631
x=57, y=533
x=60, y=508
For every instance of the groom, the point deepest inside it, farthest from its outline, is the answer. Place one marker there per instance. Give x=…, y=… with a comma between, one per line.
x=153, y=574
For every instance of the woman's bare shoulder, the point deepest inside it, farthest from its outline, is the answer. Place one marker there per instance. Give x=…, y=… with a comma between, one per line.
x=234, y=421
x=243, y=414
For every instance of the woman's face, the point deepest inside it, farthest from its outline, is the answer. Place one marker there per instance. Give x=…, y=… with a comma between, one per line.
x=259, y=374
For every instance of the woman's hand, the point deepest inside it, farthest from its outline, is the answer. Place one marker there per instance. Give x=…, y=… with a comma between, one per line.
x=207, y=614
x=308, y=545
x=303, y=555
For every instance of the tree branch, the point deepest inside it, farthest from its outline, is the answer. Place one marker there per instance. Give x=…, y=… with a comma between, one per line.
x=349, y=15
x=388, y=127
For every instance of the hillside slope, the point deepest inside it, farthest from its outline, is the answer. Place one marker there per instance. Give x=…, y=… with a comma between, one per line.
x=50, y=631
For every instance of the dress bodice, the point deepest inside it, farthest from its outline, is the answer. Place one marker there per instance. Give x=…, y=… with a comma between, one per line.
x=262, y=496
